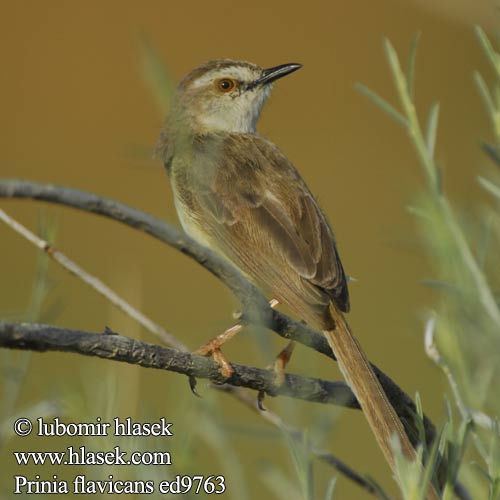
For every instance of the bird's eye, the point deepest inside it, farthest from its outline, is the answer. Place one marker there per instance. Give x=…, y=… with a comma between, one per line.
x=226, y=84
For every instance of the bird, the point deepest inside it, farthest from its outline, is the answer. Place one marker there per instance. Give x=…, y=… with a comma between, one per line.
x=238, y=194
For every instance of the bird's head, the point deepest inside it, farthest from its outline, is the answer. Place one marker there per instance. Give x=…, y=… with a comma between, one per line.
x=225, y=95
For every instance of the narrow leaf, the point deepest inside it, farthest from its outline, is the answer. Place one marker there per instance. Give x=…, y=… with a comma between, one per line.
x=493, y=57
x=492, y=151
x=419, y=421
x=442, y=286
x=382, y=104
x=485, y=93
x=397, y=72
x=411, y=64
x=435, y=452
x=490, y=186
x=331, y=489
x=443, y=438
x=432, y=123
x=417, y=211
x=155, y=74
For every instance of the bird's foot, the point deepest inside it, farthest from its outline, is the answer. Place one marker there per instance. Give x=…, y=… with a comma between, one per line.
x=213, y=348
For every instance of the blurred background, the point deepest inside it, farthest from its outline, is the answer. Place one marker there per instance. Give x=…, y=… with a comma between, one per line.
x=77, y=109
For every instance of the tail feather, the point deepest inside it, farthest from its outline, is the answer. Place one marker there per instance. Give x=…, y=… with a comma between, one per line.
x=358, y=373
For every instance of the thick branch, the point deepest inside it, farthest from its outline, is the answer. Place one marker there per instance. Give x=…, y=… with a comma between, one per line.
x=249, y=295
x=41, y=338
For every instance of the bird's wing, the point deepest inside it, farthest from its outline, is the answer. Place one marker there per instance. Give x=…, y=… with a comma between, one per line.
x=261, y=214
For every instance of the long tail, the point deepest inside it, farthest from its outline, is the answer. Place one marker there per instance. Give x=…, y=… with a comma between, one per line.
x=358, y=373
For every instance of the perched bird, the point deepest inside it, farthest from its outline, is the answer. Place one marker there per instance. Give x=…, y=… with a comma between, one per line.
x=238, y=194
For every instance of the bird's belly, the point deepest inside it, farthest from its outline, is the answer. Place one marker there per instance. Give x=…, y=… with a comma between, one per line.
x=190, y=225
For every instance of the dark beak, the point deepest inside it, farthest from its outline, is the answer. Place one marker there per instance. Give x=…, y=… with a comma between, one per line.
x=271, y=74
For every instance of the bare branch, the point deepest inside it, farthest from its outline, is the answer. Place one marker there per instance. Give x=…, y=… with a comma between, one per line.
x=41, y=338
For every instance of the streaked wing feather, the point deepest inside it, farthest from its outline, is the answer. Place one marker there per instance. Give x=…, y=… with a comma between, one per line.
x=257, y=197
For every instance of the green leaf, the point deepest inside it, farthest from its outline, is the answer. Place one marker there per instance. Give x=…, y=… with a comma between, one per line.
x=432, y=123
x=331, y=489
x=493, y=57
x=492, y=151
x=303, y=464
x=418, y=212
x=484, y=92
x=419, y=421
x=443, y=438
x=440, y=285
x=397, y=72
x=411, y=64
x=155, y=74
x=489, y=186
x=382, y=104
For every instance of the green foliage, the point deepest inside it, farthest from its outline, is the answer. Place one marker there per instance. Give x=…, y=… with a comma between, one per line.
x=155, y=74
x=15, y=365
x=467, y=322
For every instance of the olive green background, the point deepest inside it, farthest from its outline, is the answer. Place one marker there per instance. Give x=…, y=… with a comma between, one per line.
x=76, y=110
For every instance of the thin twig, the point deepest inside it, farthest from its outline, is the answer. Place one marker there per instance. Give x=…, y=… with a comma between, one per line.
x=93, y=282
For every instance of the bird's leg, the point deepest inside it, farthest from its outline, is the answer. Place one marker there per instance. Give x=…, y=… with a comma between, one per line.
x=281, y=361
x=213, y=347
x=278, y=367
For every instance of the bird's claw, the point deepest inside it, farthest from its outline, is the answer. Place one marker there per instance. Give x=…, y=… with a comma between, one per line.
x=192, y=386
x=260, y=399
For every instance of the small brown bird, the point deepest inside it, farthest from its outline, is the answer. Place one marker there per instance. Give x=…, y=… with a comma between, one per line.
x=238, y=194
